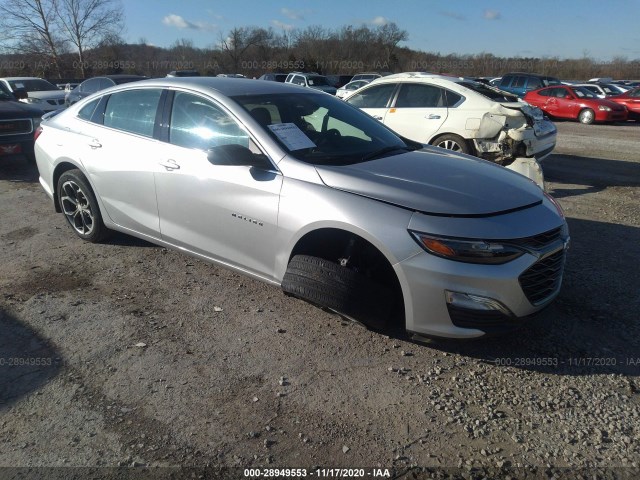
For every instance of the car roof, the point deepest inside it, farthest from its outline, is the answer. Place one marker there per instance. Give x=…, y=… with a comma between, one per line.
x=117, y=76
x=25, y=78
x=226, y=86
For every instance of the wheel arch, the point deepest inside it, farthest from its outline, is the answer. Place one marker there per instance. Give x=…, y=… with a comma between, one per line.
x=331, y=242
x=60, y=168
x=467, y=141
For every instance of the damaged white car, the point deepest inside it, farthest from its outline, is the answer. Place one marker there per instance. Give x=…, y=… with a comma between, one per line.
x=461, y=115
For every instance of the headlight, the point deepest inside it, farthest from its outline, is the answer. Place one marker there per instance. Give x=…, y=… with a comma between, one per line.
x=604, y=108
x=466, y=250
x=36, y=122
x=33, y=100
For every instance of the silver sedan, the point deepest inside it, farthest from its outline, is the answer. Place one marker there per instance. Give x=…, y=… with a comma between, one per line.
x=301, y=190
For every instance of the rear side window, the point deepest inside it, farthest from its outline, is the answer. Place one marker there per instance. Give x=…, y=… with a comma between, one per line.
x=414, y=95
x=133, y=111
x=374, y=97
x=198, y=123
x=547, y=92
x=86, y=112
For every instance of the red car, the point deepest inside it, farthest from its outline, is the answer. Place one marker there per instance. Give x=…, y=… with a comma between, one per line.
x=631, y=100
x=564, y=101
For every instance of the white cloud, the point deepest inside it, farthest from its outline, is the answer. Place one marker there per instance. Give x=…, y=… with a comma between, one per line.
x=491, y=15
x=284, y=26
x=292, y=14
x=177, y=21
x=379, y=21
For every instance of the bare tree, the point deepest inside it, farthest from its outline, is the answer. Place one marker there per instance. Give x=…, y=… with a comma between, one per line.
x=86, y=22
x=240, y=40
x=33, y=27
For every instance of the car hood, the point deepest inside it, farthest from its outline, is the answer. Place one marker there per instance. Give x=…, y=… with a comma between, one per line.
x=15, y=109
x=436, y=183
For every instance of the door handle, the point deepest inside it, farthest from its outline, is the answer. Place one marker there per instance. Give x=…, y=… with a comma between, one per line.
x=377, y=117
x=170, y=165
x=433, y=116
x=94, y=143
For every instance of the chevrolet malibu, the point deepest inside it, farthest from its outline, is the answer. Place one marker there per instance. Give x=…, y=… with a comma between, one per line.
x=301, y=190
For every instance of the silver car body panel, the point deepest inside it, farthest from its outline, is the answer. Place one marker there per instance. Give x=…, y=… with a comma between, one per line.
x=251, y=220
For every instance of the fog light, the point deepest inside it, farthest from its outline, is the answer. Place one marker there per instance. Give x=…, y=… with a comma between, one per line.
x=469, y=301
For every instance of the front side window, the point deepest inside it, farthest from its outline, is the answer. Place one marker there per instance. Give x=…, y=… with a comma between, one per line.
x=374, y=97
x=133, y=111
x=413, y=95
x=198, y=123
x=519, y=82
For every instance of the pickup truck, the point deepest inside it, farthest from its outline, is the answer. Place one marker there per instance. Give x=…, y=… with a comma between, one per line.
x=18, y=123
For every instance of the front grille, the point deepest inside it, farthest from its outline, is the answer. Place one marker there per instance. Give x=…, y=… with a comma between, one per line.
x=538, y=241
x=16, y=127
x=56, y=102
x=542, y=280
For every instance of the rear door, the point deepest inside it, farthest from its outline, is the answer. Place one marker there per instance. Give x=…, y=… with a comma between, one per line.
x=121, y=157
x=418, y=112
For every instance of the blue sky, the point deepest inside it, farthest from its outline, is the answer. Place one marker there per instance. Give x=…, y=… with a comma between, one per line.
x=599, y=29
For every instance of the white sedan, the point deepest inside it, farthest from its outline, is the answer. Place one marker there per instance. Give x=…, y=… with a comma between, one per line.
x=463, y=116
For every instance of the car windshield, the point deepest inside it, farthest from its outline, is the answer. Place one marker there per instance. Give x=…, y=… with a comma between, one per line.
x=32, y=85
x=321, y=129
x=5, y=94
x=490, y=92
x=318, y=81
x=582, y=92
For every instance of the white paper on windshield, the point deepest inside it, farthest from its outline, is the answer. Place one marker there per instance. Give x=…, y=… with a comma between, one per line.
x=292, y=136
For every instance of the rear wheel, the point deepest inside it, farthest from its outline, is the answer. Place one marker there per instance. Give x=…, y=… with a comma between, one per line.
x=453, y=142
x=339, y=289
x=587, y=116
x=80, y=207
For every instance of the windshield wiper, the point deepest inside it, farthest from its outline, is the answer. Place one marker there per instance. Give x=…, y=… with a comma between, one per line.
x=383, y=151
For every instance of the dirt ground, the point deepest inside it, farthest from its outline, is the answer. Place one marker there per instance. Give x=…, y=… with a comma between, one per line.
x=125, y=354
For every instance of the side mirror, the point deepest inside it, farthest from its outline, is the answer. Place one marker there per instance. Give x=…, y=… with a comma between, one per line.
x=20, y=94
x=234, y=154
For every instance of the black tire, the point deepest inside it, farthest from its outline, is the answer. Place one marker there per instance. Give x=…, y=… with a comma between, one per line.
x=80, y=207
x=344, y=291
x=454, y=143
x=586, y=116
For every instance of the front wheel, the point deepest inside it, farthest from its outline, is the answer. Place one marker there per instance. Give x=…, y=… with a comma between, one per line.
x=587, y=116
x=454, y=143
x=80, y=207
x=340, y=289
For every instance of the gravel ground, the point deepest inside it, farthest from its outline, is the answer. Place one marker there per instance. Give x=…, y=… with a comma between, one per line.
x=130, y=355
